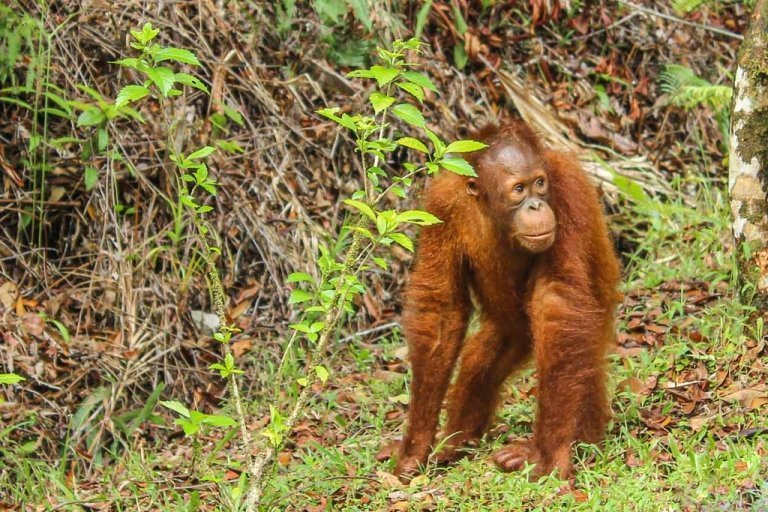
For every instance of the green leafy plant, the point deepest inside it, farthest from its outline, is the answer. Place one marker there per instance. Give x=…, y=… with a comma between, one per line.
x=328, y=292
x=344, y=46
x=162, y=82
x=688, y=90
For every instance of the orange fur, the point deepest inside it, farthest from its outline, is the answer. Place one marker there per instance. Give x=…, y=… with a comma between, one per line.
x=557, y=306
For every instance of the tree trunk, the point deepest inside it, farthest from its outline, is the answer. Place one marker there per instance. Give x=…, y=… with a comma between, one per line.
x=748, y=168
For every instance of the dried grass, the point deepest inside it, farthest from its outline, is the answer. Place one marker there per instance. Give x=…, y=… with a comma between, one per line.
x=122, y=288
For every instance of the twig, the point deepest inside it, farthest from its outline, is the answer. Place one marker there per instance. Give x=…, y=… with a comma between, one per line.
x=669, y=17
x=372, y=330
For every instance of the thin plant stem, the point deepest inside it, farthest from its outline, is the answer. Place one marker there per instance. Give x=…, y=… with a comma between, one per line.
x=266, y=461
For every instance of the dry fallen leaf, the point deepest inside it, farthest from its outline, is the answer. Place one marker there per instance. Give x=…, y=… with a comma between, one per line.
x=757, y=402
x=9, y=292
x=388, y=480
x=33, y=324
x=744, y=395
x=240, y=347
x=284, y=458
x=697, y=422
x=638, y=386
x=238, y=310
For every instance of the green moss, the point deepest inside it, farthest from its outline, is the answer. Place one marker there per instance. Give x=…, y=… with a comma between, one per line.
x=753, y=55
x=753, y=134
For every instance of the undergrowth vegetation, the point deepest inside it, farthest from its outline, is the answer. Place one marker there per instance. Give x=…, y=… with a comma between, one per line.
x=182, y=222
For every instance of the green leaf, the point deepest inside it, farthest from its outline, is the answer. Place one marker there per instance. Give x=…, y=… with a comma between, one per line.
x=630, y=188
x=360, y=73
x=191, y=81
x=201, y=153
x=322, y=373
x=460, y=57
x=90, y=117
x=421, y=19
x=163, y=78
x=177, y=54
x=235, y=116
x=201, y=174
x=129, y=112
x=410, y=142
x=298, y=277
x=380, y=101
x=189, y=201
x=457, y=165
x=103, y=137
x=189, y=427
x=219, y=420
x=415, y=90
x=384, y=75
x=419, y=217
x=91, y=176
x=382, y=145
x=176, y=407
x=464, y=146
x=381, y=224
x=409, y=114
x=10, y=378
x=128, y=63
x=146, y=34
x=302, y=381
x=439, y=144
x=344, y=120
x=230, y=146
x=381, y=262
x=459, y=23
x=299, y=296
x=420, y=80
x=362, y=207
x=59, y=327
x=130, y=93
x=403, y=240
x=366, y=233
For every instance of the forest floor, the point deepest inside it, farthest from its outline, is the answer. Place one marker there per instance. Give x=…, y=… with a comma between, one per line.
x=101, y=290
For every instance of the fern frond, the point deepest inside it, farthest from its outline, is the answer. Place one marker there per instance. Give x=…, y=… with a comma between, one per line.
x=716, y=97
x=675, y=77
x=688, y=90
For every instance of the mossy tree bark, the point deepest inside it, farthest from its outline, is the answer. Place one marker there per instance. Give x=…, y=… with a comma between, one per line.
x=748, y=169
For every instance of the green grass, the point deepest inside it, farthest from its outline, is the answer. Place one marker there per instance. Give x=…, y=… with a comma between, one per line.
x=669, y=467
x=657, y=456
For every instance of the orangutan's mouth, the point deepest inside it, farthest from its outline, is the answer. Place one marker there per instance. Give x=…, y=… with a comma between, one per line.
x=541, y=236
